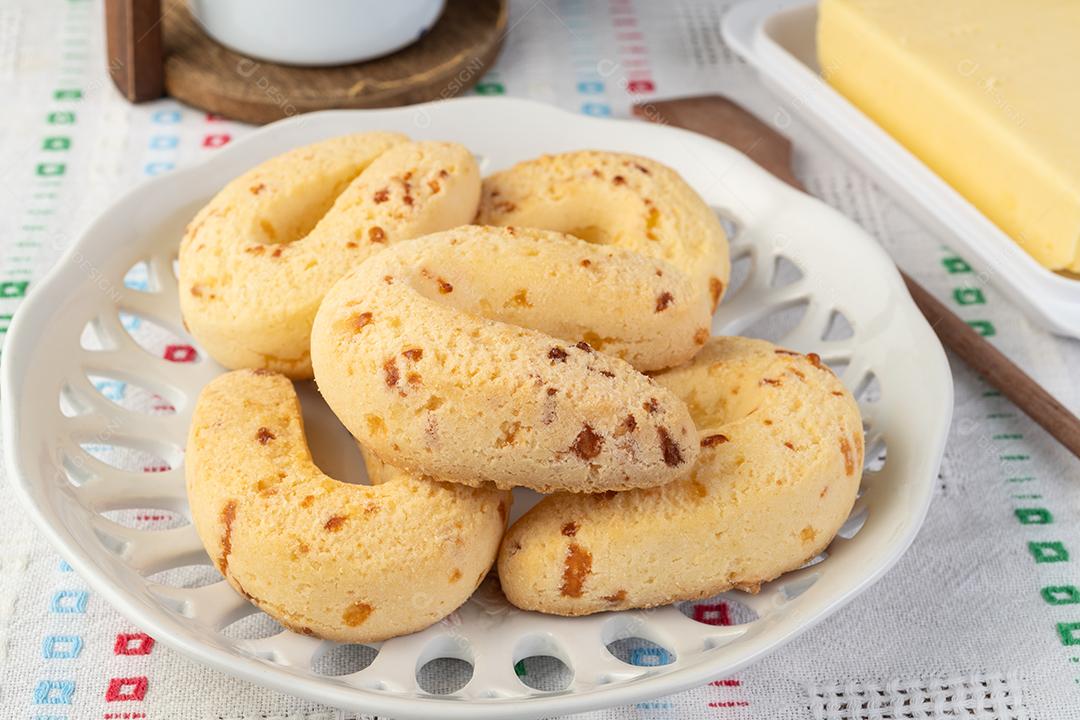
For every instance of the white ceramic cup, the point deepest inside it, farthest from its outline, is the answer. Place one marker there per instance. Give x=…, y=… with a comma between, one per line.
x=316, y=32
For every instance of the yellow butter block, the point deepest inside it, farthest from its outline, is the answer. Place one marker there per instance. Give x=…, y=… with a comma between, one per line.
x=985, y=92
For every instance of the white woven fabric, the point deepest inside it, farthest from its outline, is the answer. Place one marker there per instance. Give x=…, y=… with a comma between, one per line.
x=981, y=618
x=981, y=697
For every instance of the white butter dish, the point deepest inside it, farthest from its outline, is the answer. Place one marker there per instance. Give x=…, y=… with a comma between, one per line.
x=778, y=39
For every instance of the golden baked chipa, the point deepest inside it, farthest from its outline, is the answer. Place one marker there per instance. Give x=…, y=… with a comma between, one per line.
x=615, y=199
x=472, y=355
x=780, y=465
x=353, y=563
x=257, y=260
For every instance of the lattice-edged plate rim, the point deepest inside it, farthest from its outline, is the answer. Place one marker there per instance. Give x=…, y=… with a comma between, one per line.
x=844, y=272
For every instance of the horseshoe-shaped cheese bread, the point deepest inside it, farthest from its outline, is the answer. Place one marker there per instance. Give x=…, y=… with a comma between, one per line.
x=780, y=465
x=353, y=563
x=466, y=356
x=256, y=261
x=614, y=199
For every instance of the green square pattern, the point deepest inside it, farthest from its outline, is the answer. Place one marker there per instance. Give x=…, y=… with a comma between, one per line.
x=1047, y=552
x=1034, y=516
x=969, y=296
x=1061, y=594
x=1069, y=633
x=954, y=265
x=983, y=327
x=13, y=289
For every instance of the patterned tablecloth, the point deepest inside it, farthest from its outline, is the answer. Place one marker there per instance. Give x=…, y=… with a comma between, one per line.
x=980, y=619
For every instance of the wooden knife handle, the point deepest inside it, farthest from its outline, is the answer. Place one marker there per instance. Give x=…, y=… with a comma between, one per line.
x=996, y=369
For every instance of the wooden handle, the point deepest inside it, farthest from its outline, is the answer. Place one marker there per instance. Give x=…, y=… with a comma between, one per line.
x=998, y=370
x=135, y=55
x=722, y=119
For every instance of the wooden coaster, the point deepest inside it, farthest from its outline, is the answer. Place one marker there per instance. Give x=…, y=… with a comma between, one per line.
x=448, y=60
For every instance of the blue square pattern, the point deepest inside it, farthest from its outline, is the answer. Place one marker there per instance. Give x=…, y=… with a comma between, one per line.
x=61, y=647
x=111, y=389
x=164, y=142
x=166, y=117
x=137, y=278
x=54, y=692
x=130, y=322
x=654, y=705
x=650, y=656
x=158, y=168
x=69, y=601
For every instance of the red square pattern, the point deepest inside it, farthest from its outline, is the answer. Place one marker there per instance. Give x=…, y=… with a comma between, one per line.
x=180, y=353
x=121, y=689
x=717, y=614
x=133, y=644
x=216, y=140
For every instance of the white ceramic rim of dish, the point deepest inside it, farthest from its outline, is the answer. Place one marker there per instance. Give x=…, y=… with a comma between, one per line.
x=914, y=345
x=1049, y=298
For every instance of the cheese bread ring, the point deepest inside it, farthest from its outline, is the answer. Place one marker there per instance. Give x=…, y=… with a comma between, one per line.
x=614, y=199
x=256, y=261
x=352, y=563
x=465, y=355
x=780, y=465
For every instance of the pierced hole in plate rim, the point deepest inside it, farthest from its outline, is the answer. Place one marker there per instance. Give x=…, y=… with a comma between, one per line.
x=778, y=322
x=71, y=402
x=545, y=673
x=157, y=339
x=742, y=266
x=256, y=626
x=785, y=272
x=641, y=652
x=819, y=558
x=731, y=226
x=131, y=396
x=95, y=336
x=76, y=469
x=141, y=278
x=722, y=610
x=441, y=665
x=343, y=659
x=855, y=522
x=541, y=663
x=151, y=519
x=838, y=327
x=148, y=552
x=444, y=675
x=794, y=588
x=134, y=456
x=868, y=389
x=187, y=576
x=876, y=455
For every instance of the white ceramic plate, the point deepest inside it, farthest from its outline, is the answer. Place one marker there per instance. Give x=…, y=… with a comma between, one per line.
x=66, y=489
x=778, y=38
